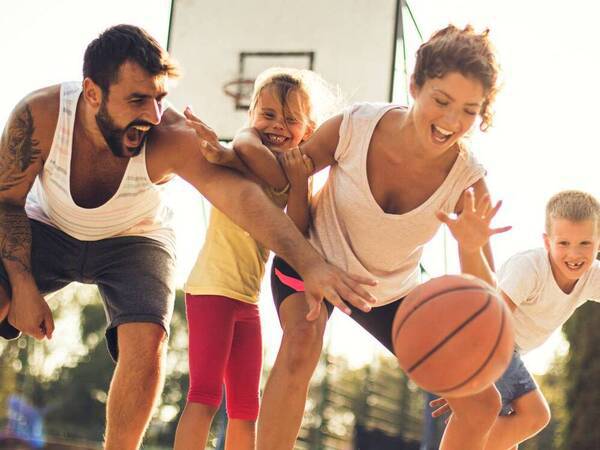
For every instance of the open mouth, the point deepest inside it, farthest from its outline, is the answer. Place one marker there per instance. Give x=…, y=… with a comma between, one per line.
x=135, y=134
x=440, y=135
x=274, y=139
x=574, y=266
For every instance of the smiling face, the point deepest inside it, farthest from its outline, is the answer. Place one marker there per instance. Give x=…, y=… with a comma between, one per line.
x=572, y=248
x=445, y=109
x=130, y=109
x=280, y=126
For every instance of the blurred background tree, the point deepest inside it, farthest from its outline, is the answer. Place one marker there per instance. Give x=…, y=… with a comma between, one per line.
x=68, y=378
x=552, y=384
x=361, y=408
x=582, y=374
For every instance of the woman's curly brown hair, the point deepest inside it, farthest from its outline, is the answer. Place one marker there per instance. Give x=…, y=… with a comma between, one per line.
x=465, y=51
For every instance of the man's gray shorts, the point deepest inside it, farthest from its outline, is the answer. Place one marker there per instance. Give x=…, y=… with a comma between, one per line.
x=134, y=274
x=514, y=383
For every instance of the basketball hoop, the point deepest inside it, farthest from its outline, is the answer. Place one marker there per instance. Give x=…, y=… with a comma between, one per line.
x=240, y=90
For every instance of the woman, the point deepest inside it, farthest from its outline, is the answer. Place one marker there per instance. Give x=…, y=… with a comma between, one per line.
x=396, y=174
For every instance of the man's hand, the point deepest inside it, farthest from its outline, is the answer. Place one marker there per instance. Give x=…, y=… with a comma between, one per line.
x=472, y=227
x=216, y=154
x=30, y=313
x=210, y=146
x=324, y=281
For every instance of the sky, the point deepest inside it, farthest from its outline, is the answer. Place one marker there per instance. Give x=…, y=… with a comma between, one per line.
x=543, y=139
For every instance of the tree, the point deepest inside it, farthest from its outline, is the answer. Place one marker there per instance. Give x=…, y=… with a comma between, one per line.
x=582, y=375
x=71, y=390
x=552, y=385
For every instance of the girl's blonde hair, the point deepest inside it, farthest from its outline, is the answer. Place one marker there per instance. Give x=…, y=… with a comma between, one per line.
x=318, y=99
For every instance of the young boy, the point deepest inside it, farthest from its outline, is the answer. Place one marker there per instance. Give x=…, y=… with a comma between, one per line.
x=543, y=287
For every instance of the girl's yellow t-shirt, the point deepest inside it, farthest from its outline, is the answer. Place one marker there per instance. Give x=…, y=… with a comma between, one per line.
x=231, y=263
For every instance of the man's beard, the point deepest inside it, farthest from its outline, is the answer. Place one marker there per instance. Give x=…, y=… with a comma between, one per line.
x=114, y=136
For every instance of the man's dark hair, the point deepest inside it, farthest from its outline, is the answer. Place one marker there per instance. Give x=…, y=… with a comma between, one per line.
x=105, y=55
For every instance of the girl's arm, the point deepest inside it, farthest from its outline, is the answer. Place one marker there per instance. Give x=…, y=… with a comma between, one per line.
x=472, y=231
x=261, y=161
x=320, y=148
x=252, y=154
x=298, y=168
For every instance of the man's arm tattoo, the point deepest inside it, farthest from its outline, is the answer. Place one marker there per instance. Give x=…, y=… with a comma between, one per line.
x=15, y=237
x=18, y=152
x=18, y=148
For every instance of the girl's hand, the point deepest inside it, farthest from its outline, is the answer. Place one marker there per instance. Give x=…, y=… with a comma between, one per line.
x=297, y=167
x=310, y=165
x=472, y=227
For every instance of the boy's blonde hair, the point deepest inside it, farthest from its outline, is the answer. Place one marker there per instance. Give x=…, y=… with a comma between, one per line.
x=318, y=100
x=575, y=206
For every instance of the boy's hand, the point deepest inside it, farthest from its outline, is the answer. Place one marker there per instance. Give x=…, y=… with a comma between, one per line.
x=297, y=167
x=472, y=227
x=440, y=407
x=210, y=146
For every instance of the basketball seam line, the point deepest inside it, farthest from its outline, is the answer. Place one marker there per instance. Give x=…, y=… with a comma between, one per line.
x=451, y=335
x=500, y=333
x=431, y=297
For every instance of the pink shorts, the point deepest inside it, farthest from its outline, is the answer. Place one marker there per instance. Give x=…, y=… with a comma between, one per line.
x=225, y=347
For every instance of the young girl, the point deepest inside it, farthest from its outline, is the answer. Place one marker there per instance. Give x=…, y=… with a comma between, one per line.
x=222, y=290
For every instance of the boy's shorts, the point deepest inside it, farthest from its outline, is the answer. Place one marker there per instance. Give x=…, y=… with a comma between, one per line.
x=514, y=383
x=134, y=274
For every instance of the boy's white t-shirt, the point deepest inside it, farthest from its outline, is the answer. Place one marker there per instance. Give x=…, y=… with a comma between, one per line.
x=542, y=306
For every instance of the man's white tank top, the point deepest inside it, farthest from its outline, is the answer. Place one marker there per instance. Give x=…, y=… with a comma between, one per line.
x=352, y=231
x=136, y=209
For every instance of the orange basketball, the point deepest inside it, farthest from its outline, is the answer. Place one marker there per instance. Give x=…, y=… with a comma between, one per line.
x=453, y=335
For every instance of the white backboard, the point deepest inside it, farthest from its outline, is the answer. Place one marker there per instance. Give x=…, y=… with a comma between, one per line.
x=351, y=43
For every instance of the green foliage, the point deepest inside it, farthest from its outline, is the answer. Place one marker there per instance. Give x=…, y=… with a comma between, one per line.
x=72, y=390
x=68, y=378
x=571, y=388
x=552, y=385
x=582, y=375
x=378, y=398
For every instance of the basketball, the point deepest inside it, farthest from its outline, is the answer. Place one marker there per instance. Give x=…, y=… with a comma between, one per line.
x=453, y=335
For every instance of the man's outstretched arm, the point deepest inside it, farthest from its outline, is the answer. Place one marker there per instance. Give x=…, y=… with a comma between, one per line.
x=20, y=162
x=248, y=206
